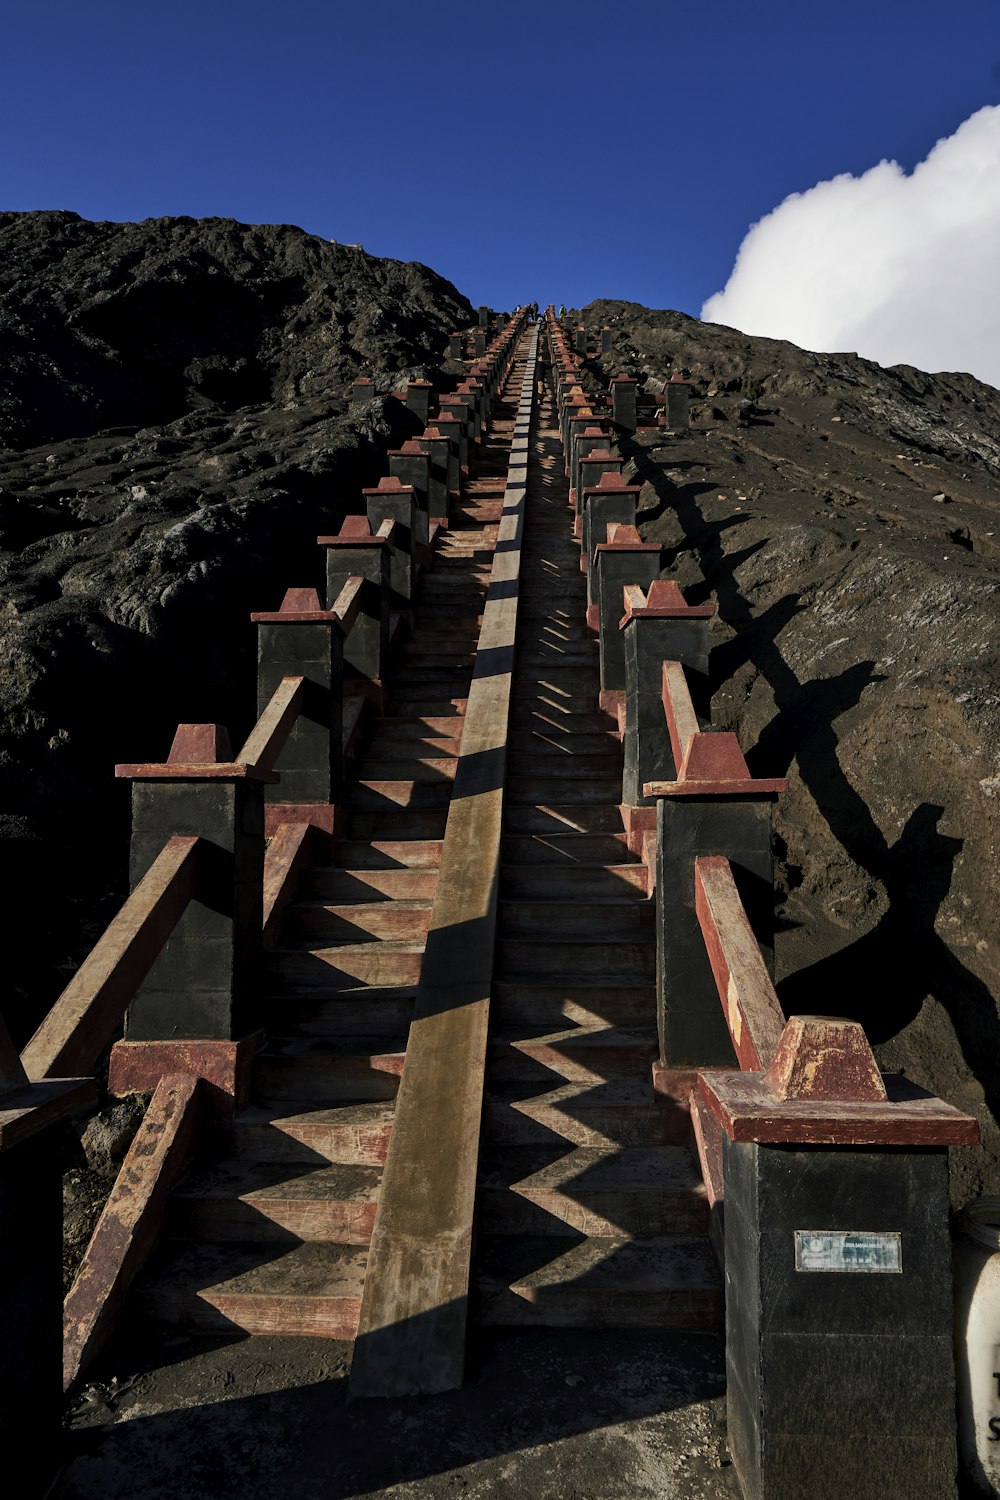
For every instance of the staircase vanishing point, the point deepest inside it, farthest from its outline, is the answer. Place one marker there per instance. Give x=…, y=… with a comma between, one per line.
x=591, y=1210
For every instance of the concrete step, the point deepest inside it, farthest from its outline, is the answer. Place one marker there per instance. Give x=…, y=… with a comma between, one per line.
x=261, y=1202
x=329, y=924
x=671, y=1281
x=451, y=647
x=301, y=1070
x=542, y=1190
x=401, y=822
x=391, y=745
x=580, y=1054
x=378, y=795
x=385, y=854
x=559, y=723
x=621, y=1112
x=348, y=1014
x=575, y=882
x=555, y=744
x=310, y=1289
x=356, y=1133
x=605, y=766
x=414, y=700
x=408, y=767
x=562, y=678
x=325, y=970
x=555, y=1003
x=366, y=885
x=595, y=955
x=534, y=697
x=561, y=818
x=614, y=919
x=564, y=789
x=566, y=848
x=397, y=728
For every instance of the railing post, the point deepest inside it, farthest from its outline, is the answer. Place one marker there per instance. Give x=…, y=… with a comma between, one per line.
x=355, y=552
x=608, y=502
x=580, y=339
x=624, y=403
x=362, y=391
x=607, y=341
x=456, y=345
x=479, y=343
x=411, y=465
x=713, y=806
x=659, y=627
x=396, y=502
x=304, y=639
x=418, y=399
x=484, y=317
x=448, y=425
x=591, y=458
x=31, y=1241
x=675, y=404
x=437, y=446
x=839, y=1316
x=197, y=1010
x=623, y=558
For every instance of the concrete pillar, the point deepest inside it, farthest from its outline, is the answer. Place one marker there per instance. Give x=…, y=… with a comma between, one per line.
x=667, y=628
x=411, y=465
x=607, y=341
x=205, y=982
x=394, y=501
x=484, y=317
x=437, y=445
x=713, y=807
x=479, y=343
x=362, y=391
x=839, y=1315
x=622, y=559
x=624, y=403
x=456, y=345
x=580, y=340
x=418, y=399
x=591, y=440
x=303, y=639
x=608, y=502
x=451, y=427
x=454, y=410
x=357, y=553
x=675, y=404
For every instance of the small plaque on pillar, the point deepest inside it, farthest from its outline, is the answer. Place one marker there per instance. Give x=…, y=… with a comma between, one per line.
x=849, y=1250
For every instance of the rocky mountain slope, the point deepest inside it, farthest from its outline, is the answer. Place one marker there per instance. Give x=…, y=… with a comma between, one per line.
x=846, y=519
x=174, y=426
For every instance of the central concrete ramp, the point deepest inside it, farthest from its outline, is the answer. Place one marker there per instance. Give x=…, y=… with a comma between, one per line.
x=412, y=1329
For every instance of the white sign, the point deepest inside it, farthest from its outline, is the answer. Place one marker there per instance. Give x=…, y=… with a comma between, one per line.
x=848, y=1250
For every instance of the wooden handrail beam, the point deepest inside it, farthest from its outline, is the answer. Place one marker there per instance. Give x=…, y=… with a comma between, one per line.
x=347, y=605
x=267, y=738
x=751, y=1006
x=84, y=1018
x=682, y=721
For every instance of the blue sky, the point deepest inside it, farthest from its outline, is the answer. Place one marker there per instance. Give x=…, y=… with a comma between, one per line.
x=550, y=150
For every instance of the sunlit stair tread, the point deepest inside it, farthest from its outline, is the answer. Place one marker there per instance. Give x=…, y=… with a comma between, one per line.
x=309, y=1288
x=354, y=1132
x=264, y=1201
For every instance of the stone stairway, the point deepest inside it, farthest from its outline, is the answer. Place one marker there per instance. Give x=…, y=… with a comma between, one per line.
x=271, y=1235
x=591, y=1208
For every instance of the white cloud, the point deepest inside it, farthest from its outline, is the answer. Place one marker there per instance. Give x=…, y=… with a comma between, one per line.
x=902, y=269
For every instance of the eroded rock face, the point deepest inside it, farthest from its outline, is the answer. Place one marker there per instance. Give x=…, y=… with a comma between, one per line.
x=846, y=518
x=175, y=431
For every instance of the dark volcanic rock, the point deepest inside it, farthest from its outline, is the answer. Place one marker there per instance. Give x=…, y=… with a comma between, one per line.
x=846, y=519
x=174, y=433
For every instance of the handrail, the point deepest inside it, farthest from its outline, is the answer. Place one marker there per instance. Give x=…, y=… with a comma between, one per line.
x=682, y=721
x=267, y=738
x=84, y=1018
x=347, y=605
x=749, y=1001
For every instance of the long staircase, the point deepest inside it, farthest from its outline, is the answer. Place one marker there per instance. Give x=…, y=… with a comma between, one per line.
x=590, y=1209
